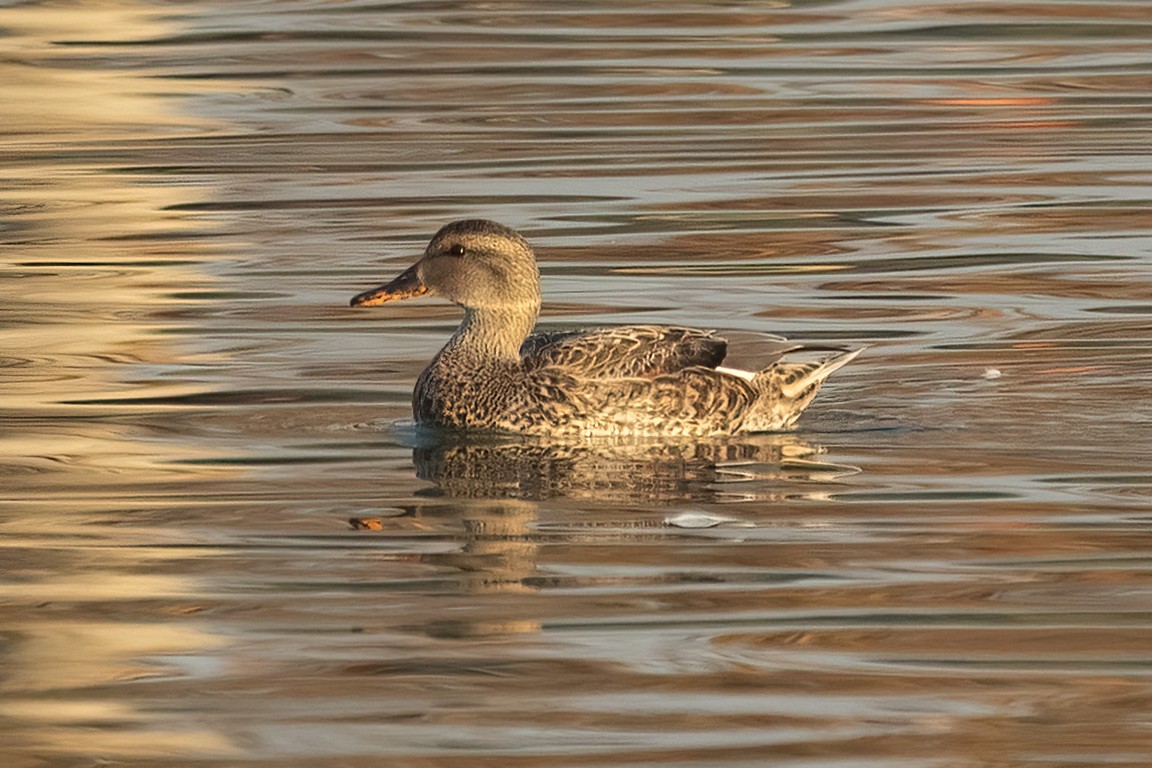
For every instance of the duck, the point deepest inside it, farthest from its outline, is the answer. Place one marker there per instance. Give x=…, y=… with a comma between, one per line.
x=498, y=374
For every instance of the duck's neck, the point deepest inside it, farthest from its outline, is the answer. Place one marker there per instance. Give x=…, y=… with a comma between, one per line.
x=492, y=333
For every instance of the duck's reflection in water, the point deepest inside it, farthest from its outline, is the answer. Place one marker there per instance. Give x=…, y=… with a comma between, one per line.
x=488, y=495
x=753, y=467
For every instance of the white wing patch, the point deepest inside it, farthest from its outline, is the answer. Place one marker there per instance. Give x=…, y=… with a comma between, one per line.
x=746, y=375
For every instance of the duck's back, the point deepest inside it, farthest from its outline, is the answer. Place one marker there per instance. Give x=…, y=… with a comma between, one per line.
x=628, y=351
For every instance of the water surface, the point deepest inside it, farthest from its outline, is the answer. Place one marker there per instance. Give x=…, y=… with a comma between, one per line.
x=222, y=542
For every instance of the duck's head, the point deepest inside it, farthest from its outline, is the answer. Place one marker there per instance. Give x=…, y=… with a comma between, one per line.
x=475, y=263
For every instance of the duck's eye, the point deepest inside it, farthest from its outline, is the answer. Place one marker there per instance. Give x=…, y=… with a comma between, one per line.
x=456, y=250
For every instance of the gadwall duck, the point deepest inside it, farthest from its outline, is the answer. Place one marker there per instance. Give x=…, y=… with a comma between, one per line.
x=495, y=374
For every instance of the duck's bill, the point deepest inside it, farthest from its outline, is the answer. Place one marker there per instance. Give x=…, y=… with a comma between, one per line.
x=406, y=286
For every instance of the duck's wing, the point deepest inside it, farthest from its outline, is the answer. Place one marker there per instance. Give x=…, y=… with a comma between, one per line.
x=694, y=401
x=624, y=351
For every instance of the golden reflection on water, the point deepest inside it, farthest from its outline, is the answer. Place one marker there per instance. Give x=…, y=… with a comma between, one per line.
x=76, y=637
x=91, y=266
x=48, y=90
x=90, y=270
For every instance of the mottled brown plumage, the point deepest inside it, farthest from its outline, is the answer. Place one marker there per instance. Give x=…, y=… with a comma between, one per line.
x=623, y=351
x=495, y=374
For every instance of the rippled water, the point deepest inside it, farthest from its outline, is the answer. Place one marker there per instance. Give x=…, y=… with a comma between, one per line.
x=222, y=543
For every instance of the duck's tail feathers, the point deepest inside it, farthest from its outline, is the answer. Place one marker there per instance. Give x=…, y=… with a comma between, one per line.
x=787, y=388
x=798, y=378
